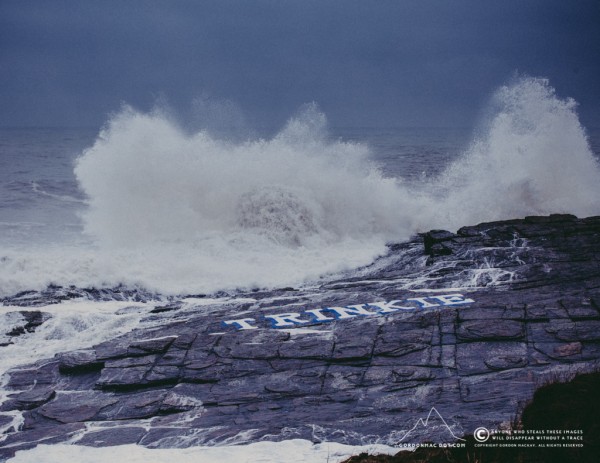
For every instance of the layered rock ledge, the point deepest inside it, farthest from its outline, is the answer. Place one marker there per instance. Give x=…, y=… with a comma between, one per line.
x=433, y=366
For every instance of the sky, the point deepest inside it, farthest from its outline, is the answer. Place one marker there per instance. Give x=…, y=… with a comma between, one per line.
x=371, y=63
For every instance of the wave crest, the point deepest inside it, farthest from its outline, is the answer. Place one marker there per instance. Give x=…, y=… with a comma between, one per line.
x=175, y=212
x=148, y=181
x=532, y=159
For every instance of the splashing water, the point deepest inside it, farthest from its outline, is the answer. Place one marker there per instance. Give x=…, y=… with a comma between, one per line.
x=191, y=213
x=533, y=159
x=148, y=182
x=176, y=212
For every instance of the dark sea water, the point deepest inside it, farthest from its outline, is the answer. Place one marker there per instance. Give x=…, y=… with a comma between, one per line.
x=39, y=195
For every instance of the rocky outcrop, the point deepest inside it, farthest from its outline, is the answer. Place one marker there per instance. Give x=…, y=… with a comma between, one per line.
x=18, y=323
x=467, y=325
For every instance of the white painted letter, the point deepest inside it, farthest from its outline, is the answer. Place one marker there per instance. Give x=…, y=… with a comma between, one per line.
x=452, y=299
x=318, y=315
x=389, y=307
x=286, y=319
x=350, y=312
x=242, y=323
x=424, y=304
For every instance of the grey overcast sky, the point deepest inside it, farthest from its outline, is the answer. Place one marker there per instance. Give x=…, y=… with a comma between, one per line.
x=366, y=63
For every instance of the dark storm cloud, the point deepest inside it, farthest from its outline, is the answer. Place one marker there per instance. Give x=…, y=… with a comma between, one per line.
x=408, y=62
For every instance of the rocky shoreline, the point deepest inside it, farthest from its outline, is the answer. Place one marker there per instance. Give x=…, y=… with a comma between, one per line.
x=560, y=425
x=389, y=354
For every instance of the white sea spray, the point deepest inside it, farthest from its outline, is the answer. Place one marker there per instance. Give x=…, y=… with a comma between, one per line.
x=180, y=212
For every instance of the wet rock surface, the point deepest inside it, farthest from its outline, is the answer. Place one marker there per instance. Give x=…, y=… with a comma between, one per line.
x=458, y=327
x=18, y=323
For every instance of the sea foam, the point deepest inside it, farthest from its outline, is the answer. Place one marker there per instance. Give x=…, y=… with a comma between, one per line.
x=532, y=158
x=182, y=212
x=148, y=181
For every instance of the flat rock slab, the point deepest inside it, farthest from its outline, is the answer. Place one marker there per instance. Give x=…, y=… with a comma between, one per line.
x=362, y=358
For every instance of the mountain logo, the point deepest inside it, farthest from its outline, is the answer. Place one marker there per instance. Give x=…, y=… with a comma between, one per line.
x=421, y=423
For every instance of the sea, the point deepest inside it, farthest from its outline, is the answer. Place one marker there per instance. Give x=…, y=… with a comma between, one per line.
x=149, y=203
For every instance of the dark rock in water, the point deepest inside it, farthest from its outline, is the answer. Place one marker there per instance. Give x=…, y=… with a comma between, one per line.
x=391, y=353
x=32, y=321
x=433, y=242
x=19, y=323
x=167, y=307
x=56, y=294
